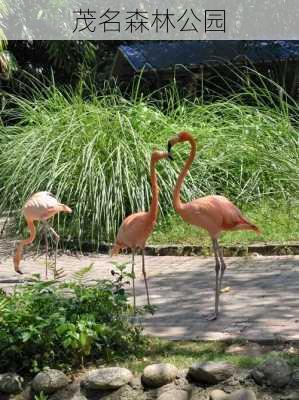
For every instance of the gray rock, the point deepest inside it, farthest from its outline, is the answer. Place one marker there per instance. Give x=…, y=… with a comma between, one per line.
x=289, y=396
x=125, y=393
x=174, y=388
x=107, y=378
x=11, y=383
x=218, y=394
x=243, y=394
x=166, y=388
x=175, y=394
x=274, y=372
x=211, y=372
x=244, y=376
x=155, y=393
x=136, y=382
x=181, y=380
x=248, y=349
x=157, y=375
x=232, y=383
x=49, y=381
x=295, y=378
x=70, y=392
x=24, y=395
x=152, y=394
x=76, y=396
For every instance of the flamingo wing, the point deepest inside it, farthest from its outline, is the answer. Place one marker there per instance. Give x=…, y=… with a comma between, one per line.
x=134, y=230
x=215, y=214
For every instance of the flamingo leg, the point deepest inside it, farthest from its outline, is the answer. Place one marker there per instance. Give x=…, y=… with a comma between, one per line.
x=217, y=280
x=56, y=238
x=145, y=278
x=220, y=264
x=222, y=267
x=55, y=234
x=55, y=258
x=47, y=245
x=217, y=269
x=133, y=280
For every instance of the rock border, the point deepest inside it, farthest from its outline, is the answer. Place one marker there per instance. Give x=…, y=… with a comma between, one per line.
x=264, y=249
x=213, y=380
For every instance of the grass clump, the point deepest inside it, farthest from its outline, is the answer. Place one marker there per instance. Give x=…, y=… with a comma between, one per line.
x=64, y=325
x=94, y=154
x=184, y=353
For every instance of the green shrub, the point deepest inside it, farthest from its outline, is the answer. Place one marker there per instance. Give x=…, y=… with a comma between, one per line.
x=54, y=324
x=94, y=154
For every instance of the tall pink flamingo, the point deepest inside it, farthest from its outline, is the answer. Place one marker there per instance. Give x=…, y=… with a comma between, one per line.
x=213, y=213
x=40, y=207
x=136, y=228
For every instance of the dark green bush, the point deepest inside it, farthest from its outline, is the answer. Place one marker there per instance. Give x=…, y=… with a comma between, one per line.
x=63, y=325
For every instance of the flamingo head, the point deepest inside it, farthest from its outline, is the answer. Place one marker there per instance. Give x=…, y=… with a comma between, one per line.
x=159, y=155
x=179, y=138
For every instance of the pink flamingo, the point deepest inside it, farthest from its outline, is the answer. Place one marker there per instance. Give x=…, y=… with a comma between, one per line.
x=213, y=213
x=136, y=228
x=40, y=207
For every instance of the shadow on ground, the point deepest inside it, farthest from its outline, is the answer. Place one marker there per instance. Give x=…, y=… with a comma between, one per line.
x=262, y=303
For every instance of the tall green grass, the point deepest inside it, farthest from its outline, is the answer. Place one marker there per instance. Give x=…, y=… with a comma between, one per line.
x=94, y=154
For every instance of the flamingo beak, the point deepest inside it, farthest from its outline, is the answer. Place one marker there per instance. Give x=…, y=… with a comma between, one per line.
x=170, y=156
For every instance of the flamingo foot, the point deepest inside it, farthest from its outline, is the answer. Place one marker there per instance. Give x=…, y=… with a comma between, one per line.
x=16, y=263
x=20, y=272
x=226, y=289
x=211, y=317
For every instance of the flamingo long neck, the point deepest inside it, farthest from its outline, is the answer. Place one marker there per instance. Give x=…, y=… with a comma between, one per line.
x=177, y=204
x=153, y=212
x=22, y=243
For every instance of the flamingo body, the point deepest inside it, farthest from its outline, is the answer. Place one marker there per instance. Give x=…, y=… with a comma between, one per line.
x=215, y=214
x=39, y=207
x=135, y=230
x=42, y=206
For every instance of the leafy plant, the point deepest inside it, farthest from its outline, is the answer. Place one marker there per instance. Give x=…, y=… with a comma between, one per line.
x=41, y=396
x=58, y=324
x=81, y=275
x=121, y=276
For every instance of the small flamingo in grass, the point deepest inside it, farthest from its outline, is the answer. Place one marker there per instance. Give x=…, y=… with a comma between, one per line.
x=136, y=228
x=40, y=207
x=213, y=213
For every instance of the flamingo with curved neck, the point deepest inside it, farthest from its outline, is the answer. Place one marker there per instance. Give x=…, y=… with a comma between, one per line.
x=213, y=213
x=136, y=228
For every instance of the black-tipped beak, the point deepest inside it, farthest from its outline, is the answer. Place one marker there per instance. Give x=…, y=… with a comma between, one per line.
x=170, y=156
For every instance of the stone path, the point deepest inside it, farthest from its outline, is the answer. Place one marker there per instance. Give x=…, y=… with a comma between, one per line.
x=263, y=303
